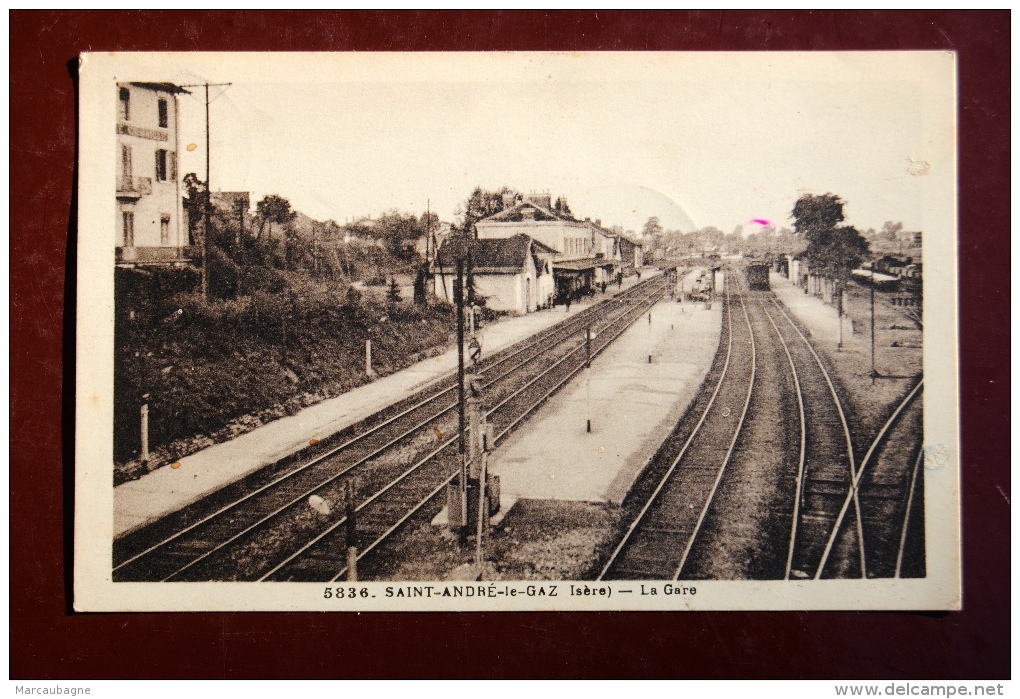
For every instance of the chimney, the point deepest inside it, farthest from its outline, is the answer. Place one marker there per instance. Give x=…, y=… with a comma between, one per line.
x=598, y=222
x=542, y=199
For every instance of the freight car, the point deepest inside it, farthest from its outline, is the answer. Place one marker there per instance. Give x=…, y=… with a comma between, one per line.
x=757, y=275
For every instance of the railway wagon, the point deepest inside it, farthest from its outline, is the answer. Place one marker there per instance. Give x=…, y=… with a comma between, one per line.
x=757, y=275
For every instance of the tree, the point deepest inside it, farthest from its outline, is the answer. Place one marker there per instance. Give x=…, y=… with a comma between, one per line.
x=890, y=229
x=484, y=203
x=652, y=228
x=708, y=239
x=734, y=242
x=888, y=238
x=561, y=206
x=195, y=204
x=400, y=233
x=832, y=252
x=273, y=209
x=393, y=295
x=817, y=214
x=421, y=281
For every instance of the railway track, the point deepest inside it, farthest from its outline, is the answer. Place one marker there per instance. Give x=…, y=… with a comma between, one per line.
x=398, y=460
x=377, y=522
x=761, y=492
x=658, y=541
x=827, y=452
x=888, y=487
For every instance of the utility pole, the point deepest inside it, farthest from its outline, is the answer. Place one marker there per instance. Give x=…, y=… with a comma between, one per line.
x=873, y=373
x=428, y=230
x=240, y=224
x=208, y=205
x=208, y=191
x=649, y=337
x=839, y=312
x=351, y=533
x=587, y=376
x=458, y=297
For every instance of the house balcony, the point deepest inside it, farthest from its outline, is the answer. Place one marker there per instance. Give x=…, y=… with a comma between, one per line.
x=163, y=255
x=133, y=187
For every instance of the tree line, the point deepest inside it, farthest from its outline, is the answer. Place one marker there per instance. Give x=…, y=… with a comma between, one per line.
x=275, y=239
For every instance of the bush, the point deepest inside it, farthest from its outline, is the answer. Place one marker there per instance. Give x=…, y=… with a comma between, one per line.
x=205, y=364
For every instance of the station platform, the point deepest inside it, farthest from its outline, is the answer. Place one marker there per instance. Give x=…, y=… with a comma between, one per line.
x=633, y=406
x=172, y=487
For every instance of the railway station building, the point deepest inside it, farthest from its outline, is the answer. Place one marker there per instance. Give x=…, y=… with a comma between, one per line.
x=584, y=254
x=150, y=228
x=511, y=274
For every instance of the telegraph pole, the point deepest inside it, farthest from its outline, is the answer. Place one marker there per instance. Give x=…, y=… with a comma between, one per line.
x=873, y=373
x=208, y=205
x=208, y=191
x=587, y=376
x=428, y=230
x=458, y=297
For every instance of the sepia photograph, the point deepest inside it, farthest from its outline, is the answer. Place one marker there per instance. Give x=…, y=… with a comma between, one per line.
x=517, y=331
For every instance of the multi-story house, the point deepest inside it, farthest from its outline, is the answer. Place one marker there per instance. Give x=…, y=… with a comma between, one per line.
x=535, y=217
x=150, y=215
x=606, y=249
x=579, y=260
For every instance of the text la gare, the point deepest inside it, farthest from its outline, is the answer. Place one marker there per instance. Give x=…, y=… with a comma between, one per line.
x=668, y=589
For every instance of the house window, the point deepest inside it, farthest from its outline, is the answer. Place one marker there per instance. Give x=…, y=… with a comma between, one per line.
x=164, y=118
x=166, y=165
x=164, y=229
x=125, y=164
x=124, y=105
x=129, y=228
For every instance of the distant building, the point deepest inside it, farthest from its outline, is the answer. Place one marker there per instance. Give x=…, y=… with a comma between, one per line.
x=234, y=206
x=512, y=274
x=231, y=202
x=150, y=226
x=427, y=246
x=606, y=249
x=631, y=253
x=582, y=258
x=909, y=238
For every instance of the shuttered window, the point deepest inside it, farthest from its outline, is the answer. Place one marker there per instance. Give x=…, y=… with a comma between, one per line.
x=166, y=165
x=128, y=217
x=161, y=165
x=124, y=104
x=125, y=163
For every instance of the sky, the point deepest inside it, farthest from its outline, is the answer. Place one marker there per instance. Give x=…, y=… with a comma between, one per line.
x=693, y=139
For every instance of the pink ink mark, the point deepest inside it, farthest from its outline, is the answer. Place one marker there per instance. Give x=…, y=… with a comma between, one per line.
x=761, y=221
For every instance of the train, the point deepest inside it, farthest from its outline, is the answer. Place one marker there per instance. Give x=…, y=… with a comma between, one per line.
x=757, y=275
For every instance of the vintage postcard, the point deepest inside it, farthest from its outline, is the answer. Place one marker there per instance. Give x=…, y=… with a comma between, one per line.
x=517, y=331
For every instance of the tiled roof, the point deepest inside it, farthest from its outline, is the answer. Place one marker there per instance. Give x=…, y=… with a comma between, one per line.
x=163, y=87
x=581, y=265
x=514, y=213
x=506, y=255
x=630, y=240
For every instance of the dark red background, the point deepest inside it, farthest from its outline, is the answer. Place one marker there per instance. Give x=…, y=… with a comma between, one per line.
x=48, y=641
